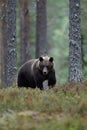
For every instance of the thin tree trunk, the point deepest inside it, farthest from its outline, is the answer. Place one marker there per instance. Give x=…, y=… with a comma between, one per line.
x=24, y=31
x=3, y=27
x=75, y=60
x=9, y=42
x=0, y=39
x=41, y=28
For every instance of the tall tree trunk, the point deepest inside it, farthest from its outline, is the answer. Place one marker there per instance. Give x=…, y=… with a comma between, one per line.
x=3, y=26
x=9, y=42
x=24, y=31
x=75, y=60
x=41, y=28
x=0, y=39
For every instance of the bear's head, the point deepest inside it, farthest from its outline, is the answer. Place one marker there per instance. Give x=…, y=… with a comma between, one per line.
x=46, y=64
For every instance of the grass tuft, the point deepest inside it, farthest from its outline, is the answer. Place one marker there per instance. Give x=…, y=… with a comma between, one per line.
x=63, y=107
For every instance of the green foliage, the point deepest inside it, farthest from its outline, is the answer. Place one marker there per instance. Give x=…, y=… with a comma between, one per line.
x=61, y=108
x=58, y=36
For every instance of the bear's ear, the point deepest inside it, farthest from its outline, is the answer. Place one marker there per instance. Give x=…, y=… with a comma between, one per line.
x=51, y=59
x=41, y=59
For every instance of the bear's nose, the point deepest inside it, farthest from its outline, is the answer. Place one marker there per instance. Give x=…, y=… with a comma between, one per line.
x=44, y=73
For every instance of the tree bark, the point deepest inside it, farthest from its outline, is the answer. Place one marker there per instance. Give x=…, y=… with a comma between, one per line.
x=41, y=28
x=0, y=38
x=3, y=26
x=75, y=60
x=24, y=31
x=9, y=42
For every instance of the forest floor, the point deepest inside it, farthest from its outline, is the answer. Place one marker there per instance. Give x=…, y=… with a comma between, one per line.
x=63, y=107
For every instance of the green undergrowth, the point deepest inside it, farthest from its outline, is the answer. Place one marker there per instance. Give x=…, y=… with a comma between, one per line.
x=63, y=107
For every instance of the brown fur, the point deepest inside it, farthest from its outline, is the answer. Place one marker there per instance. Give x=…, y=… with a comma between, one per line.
x=34, y=72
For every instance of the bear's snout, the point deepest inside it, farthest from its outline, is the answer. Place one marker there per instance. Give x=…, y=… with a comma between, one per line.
x=45, y=71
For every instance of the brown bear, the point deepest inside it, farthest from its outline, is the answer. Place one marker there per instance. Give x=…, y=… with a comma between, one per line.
x=37, y=73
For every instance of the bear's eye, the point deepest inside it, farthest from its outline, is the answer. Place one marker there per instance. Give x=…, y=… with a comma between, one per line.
x=41, y=66
x=49, y=67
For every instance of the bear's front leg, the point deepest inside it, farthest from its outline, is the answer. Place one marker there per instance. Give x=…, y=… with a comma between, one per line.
x=52, y=79
x=39, y=85
x=39, y=81
x=43, y=85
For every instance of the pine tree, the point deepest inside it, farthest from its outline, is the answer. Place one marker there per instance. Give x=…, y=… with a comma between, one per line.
x=41, y=28
x=75, y=60
x=8, y=42
x=24, y=31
